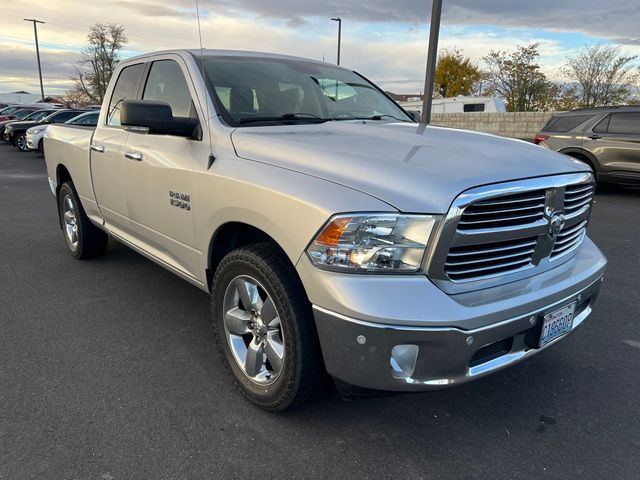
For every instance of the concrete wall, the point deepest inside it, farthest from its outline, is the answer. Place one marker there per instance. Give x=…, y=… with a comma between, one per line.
x=523, y=125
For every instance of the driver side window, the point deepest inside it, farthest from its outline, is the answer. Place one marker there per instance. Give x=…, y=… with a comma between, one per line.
x=166, y=83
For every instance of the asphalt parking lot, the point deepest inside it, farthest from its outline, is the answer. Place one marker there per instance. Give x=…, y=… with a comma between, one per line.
x=108, y=371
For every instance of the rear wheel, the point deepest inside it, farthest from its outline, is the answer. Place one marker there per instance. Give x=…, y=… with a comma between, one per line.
x=21, y=143
x=264, y=327
x=83, y=238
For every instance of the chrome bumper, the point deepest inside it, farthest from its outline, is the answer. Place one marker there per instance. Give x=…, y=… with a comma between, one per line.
x=395, y=358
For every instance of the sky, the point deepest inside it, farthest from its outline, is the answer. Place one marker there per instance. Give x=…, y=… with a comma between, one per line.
x=384, y=40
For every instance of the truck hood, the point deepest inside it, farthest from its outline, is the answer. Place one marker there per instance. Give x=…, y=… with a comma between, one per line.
x=412, y=167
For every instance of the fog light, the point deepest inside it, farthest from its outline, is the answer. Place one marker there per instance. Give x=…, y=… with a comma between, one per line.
x=403, y=361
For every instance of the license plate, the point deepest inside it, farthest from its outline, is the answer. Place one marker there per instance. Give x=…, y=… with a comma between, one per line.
x=557, y=323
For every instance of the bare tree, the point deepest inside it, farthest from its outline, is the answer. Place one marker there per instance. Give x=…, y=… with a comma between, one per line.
x=100, y=58
x=517, y=77
x=604, y=74
x=76, y=98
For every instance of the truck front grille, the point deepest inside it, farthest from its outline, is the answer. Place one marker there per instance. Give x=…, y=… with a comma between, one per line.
x=504, y=232
x=489, y=259
x=510, y=210
x=568, y=239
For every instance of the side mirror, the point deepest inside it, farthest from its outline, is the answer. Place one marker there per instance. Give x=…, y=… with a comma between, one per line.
x=156, y=117
x=415, y=114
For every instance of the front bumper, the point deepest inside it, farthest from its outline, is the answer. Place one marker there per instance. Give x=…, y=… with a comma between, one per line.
x=458, y=337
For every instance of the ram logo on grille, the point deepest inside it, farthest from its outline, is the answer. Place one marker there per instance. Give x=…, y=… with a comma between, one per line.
x=556, y=224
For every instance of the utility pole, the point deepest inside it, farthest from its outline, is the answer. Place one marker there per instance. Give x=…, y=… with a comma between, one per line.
x=35, y=31
x=434, y=32
x=339, y=20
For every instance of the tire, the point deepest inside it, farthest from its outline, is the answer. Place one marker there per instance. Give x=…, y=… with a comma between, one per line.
x=82, y=237
x=21, y=143
x=300, y=369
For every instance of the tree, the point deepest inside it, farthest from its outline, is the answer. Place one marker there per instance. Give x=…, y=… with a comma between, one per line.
x=517, y=77
x=76, y=98
x=604, y=74
x=455, y=74
x=99, y=59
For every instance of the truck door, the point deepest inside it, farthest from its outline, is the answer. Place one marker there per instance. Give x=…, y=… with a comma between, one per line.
x=107, y=153
x=159, y=174
x=615, y=142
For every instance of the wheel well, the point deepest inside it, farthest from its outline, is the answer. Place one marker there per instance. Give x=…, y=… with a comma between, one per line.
x=62, y=175
x=582, y=157
x=230, y=236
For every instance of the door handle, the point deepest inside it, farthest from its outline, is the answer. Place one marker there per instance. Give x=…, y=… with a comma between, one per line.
x=595, y=137
x=137, y=156
x=97, y=148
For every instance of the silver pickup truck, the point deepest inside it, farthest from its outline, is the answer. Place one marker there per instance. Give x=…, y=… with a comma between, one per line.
x=334, y=233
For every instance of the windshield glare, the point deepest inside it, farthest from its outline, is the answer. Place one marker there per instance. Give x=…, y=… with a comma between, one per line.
x=248, y=89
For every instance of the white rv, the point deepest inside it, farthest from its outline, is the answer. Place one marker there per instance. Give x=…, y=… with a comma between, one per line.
x=458, y=104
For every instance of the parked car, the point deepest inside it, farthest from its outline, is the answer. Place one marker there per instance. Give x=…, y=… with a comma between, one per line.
x=329, y=228
x=15, y=116
x=18, y=113
x=607, y=139
x=15, y=133
x=35, y=134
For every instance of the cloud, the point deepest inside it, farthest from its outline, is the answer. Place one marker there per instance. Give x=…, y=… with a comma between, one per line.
x=616, y=19
x=384, y=40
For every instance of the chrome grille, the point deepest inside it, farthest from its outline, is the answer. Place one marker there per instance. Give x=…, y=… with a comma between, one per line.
x=501, y=233
x=577, y=197
x=510, y=210
x=493, y=258
x=568, y=239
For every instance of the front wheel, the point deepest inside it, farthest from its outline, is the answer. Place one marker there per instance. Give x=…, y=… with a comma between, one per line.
x=264, y=327
x=83, y=238
x=21, y=143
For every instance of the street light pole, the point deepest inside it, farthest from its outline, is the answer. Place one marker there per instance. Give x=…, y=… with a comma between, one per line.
x=339, y=20
x=434, y=32
x=35, y=31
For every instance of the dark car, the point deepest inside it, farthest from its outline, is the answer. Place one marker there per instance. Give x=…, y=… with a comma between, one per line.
x=15, y=132
x=607, y=138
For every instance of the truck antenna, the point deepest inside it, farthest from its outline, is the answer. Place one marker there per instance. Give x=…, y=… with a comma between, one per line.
x=212, y=157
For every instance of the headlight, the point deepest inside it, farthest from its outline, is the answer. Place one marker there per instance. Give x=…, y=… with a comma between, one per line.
x=8, y=129
x=370, y=242
x=35, y=130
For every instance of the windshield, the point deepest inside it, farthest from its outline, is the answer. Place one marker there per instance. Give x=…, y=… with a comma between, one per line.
x=266, y=91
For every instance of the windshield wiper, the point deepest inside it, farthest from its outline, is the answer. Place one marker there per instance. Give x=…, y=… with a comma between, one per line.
x=346, y=116
x=287, y=117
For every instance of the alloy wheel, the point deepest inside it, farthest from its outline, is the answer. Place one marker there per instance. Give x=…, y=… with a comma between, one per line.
x=253, y=330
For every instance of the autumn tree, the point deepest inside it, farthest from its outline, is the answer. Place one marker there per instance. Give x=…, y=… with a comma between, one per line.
x=517, y=77
x=455, y=74
x=100, y=58
x=605, y=75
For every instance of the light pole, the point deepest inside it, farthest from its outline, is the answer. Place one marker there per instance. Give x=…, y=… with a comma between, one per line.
x=434, y=32
x=339, y=20
x=35, y=31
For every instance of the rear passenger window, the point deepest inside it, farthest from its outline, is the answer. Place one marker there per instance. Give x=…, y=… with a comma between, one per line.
x=126, y=88
x=166, y=83
x=625, y=123
x=565, y=123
